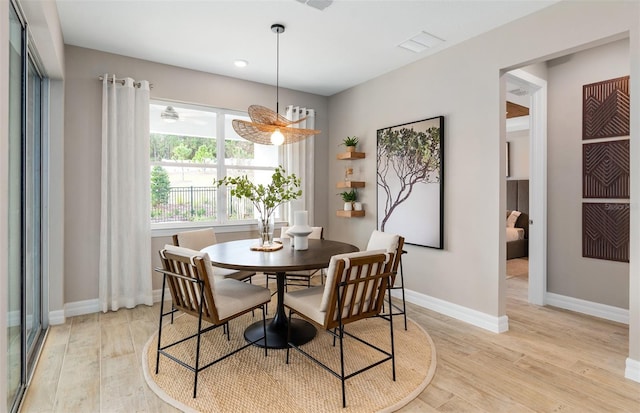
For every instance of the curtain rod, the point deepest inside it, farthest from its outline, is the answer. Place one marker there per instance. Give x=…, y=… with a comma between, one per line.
x=121, y=81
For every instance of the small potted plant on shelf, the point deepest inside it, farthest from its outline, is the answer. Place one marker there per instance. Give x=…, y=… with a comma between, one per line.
x=349, y=197
x=350, y=143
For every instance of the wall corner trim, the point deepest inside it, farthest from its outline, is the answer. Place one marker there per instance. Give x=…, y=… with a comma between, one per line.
x=607, y=312
x=632, y=372
x=57, y=317
x=479, y=319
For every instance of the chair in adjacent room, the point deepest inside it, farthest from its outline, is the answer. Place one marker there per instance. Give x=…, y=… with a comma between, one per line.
x=392, y=243
x=197, y=240
x=354, y=290
x=301, y=278
x=195, y=290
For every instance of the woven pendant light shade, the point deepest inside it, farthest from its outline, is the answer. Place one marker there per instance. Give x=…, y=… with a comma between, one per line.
x=265, y=122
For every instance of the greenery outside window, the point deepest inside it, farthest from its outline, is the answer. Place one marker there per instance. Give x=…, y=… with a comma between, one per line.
x=189, y=154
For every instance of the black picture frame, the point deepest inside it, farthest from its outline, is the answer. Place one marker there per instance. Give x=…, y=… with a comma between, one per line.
x=410, y=181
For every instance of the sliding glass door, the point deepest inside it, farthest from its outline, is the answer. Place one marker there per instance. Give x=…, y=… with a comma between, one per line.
x=32, y=211
x=14, y=296
x=24, y=290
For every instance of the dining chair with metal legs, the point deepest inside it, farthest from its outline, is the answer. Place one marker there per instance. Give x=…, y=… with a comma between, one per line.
x=354, y=290
x=195, y=291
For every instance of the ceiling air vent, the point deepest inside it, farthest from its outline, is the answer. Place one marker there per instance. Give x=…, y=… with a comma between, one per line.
x=317, y=4
x=421, y=42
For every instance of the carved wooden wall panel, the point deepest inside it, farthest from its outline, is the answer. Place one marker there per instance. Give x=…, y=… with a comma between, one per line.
x=606, y=109
x=605, y=229
x=605, y=169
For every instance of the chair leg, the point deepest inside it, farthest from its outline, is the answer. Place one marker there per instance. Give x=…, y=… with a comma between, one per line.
x=393, y=358
x=342, y=379
x=404, y=302
x=264, y=328
x=164, y=282
x=197, y=369
x=289, y=335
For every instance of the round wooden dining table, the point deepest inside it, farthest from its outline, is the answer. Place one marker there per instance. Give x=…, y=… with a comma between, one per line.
x=237, y=255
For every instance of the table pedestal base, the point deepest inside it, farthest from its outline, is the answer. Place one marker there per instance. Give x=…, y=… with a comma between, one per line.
x=301, y=332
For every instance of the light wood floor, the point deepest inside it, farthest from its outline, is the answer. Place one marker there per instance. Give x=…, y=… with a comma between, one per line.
x=550, y=361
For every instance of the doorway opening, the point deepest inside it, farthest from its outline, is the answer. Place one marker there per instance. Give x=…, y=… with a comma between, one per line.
x=529, y=137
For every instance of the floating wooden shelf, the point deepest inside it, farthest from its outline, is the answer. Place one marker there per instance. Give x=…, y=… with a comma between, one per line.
x=351, y=155
x=350, y=214
x=350, y=184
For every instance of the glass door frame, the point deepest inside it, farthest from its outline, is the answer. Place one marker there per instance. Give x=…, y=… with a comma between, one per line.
x=31, y=259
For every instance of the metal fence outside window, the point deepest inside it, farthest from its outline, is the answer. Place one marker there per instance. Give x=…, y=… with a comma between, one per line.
x=198, y=203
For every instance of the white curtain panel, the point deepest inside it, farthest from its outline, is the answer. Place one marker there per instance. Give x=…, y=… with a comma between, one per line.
x=298, y=158
x=125, y=236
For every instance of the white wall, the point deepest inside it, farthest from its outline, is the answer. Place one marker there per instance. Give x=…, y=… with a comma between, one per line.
x=82, y=144
x=568, y=273
x=462, y=83
x=519, y=154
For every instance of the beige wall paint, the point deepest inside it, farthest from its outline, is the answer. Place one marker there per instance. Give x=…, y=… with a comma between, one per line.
x=634, y=268
x=462, y=83
x=568, y=273
x=82, y=143
x=519, y=154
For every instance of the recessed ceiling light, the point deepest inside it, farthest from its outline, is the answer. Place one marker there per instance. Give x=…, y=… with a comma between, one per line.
x=240, y=63
x=420, y=42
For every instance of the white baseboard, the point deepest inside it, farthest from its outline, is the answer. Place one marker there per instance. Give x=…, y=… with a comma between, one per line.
x=88, y=307
x=468, y=315
x=81, y=307
x=632, y=372
x=56, y=317
x=607, y=312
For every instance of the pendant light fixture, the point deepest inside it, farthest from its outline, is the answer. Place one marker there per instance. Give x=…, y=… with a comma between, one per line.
x=268, y=127
x=169, y=115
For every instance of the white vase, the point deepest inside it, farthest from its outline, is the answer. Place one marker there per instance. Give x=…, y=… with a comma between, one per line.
x=300, y=236
x=348, y=206
x=357, y=206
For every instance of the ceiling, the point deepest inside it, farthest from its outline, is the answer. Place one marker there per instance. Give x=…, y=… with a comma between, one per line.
x=321, y=51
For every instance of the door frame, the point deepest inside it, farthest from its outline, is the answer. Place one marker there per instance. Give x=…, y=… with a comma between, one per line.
x=537, y=181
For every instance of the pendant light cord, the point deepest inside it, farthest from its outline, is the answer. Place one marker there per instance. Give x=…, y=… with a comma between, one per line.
x=278, y=73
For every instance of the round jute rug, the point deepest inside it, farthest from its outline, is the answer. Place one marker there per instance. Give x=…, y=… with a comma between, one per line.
x=250, y=382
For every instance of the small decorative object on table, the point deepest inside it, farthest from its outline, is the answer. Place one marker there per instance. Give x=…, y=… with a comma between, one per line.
x=265, y=199
x=300, y=230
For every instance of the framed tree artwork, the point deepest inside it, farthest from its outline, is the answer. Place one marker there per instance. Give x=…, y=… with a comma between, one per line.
x=410, y=199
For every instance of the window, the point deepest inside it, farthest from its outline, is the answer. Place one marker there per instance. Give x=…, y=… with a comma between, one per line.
x=190, y=153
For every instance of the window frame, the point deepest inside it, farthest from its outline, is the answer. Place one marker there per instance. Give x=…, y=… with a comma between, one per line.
x=221, y=223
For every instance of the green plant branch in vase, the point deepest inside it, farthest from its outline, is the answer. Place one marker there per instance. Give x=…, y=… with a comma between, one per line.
x=265, y=198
